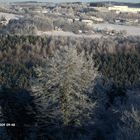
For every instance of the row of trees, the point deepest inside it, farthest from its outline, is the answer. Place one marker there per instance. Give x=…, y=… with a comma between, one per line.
x=117, y=61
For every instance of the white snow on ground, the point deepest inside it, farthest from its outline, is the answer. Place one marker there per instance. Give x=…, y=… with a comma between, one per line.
x=9, y=16
x=131, y=30
x=68, y=34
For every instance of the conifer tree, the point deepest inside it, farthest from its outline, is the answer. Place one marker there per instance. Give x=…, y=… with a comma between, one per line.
x=61, y=87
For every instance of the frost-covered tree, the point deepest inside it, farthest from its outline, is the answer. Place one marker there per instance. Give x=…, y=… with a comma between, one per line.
x=61, y=87
x=130, y=130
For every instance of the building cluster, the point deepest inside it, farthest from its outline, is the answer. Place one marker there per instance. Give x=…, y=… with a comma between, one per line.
x=124, y=9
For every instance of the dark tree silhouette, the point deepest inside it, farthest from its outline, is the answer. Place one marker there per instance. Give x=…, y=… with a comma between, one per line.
x=17, y=107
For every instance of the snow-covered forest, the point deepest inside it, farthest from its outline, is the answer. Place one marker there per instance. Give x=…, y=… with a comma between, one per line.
x=64, y=88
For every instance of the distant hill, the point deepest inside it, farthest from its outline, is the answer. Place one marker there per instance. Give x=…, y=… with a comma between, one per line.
x=30, y=3
x=27, y=2
x=106, y=3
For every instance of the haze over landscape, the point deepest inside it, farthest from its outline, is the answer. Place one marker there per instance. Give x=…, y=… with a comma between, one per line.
x=134, y=1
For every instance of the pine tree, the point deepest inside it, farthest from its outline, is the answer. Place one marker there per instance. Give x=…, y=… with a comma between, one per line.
x=61, y=87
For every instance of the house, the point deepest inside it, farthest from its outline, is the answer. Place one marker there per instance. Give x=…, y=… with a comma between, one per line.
x=3, y=21
x=70, y=20
x=88, y=22
x=44, y=11
x=124, y=9
x=80, y=31
x=76, y=19
x=97, y=19
x=120, y=20
x=57, y=28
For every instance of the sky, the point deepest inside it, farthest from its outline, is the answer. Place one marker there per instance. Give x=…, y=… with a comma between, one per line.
x=70, y=0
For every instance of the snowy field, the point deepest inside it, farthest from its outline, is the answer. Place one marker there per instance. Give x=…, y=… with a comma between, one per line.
x=131, y=30
x=68, y=34
x=9, y=16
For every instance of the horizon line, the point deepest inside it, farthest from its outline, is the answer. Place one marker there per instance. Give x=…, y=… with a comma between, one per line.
x=89, y=1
